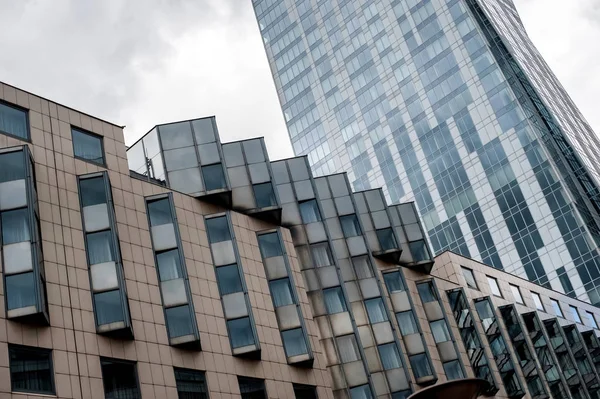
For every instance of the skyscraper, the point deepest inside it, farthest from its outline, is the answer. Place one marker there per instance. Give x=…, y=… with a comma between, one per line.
x=447, y=103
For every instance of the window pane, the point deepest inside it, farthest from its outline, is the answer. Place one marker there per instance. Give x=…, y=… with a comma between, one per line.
x=453, y=370
x=575, y=314
x=176, y=135
x=321, y=254
x=516, y=293
x=264, y=194
x=592, y=320
x=92, y=191
x=361, y=392
x=120, y=379
x=386, y=239
x=19, y=291
x=87, y=146
x=426, y=292
x=240, y=332
x=179, y=321
x=99, y=247
x=203, y=130
x=401, y=394
x=252, y=388
x=420, y=365
x=390, y=358
x=309, y=210
x=228, y=279
x=13, y=121
x=218, y=229
x=270, y=245
x=419, y=251
x=556, y=307
x=334, y=300
x=294, y=342
x=470, y=278
x=376, y=310
x=169, y=265
x=30, y=370
x=494, y=286
x=350, y=226
x=15, y=226
x=348, y=348
x=191, y=384
x=12, y=166
x=108, y=307
x=160, y=212
x=407, y=323
x=362, y=267
x=305, y=392
x=538, y=301
x=214, y=178
x=281, y=292
x=393, y=282
x=440, y=332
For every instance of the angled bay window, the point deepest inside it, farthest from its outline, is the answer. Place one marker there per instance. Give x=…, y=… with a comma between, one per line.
x=87, y=146
x=20, y=241
x=191, y=384
x=104, y=256
x=386, y=239
x=172, y=272
x=14, y=121
x=264, y=194
x=31, y=370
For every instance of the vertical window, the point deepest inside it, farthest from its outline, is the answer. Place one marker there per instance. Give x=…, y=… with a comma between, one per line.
x=264, y=194
x=15, y=226
x=348, y=348
x=440, y=332
x=517, y=294
x=427, y=292
x=453, y=370
x=19, y=291
x=407, y=323
x=120, y=379
x=240, y=331
x=321, y=254
x=493, y=283
x=218, y=229
x=87, y=146
x=350, y=226
x=376, y=310
x=108, y=307
x=169, y=265
x=179, y=321
x=591, y=319
x=390, y=357
x=281, y=292
x=191, y=384
x=556, y=307
x=270, y=245
x=538, y=301
x=214, y=178
x=420, y=365
x=30, y=369
x=575, y=314
x=386, y=239
x=228, y=279
x=252, y=388
x=309, y=210
x=13, y=121
x=159, y=212
x=469, y=278
x=419, y=251
x=305, y=392
x=361, y=392
x=334, y=300
x=362, y=267
x=393, y=282
x=294, y=342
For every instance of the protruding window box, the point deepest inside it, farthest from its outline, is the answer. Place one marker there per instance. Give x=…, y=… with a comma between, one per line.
x=390, y=256
x=248, y=351
x=389, y=251
x=304, y=360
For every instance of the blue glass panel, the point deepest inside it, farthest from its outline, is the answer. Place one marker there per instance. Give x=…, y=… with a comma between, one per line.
x=108, y=307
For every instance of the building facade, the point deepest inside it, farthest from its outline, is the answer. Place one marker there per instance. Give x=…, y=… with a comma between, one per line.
x=253, y=279
x=446, y=103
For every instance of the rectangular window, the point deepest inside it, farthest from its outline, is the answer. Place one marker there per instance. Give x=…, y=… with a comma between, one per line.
x=294, y=342
x=252, y=388
x=419, y=251
x=362, y=267
x=575, y=314
x=453, y=370
x=407, y=323
x=30, y=369
x=493, y=283
x=270, y=245
x=92, y=191
x=218, y=229
x=420, y=365
x=393, y=282
x=13, y=121
x=361, y=392
x=191, y=384
x=440, y=332
x=309, y=210
x=214, y=178
x=264, y=194
x=15, y=226
x=108, y=307
x=87, y=146
x=120, y=379
x=228, y=279
x=305, y=392
x=538, y=301
x=321, y=254
x=556, y=307
x=240, y=332
x=348, y=348
x=169, y=265
x=390, y=357
x=376, y=310
x=386, y=239
x=160, y=212
x=19, y=291
x=281, y=292
x=469, y=278
x=517, y=294
x=100, y=247
x=179, y=321
x=334, y=300
x=427, y=292
x=350, y=226
x=591, y=319
x=13, y=166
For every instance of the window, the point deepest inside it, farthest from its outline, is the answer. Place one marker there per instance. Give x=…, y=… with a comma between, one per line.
x=376, y=310
x=30, y=369
x=264, y=194
x=591, y=319
x=517, y=294
x=390, y=358
x=453, y=370
x=169, y=265
x=538, y=301
x=179, y=321
x=99, y=247
x=321, y=254
x=228, y=279
x=362, y=267
x=350, y=226
x=19, y=292
x=15, y=226
x=160, y=212
x=218, y=229
x=361, y=392
x=252, y=388
x=191, y=384
x=334, y=300
x=419, y=250
x=13, y=166
x=575, y=314
x=13, y=121
x=386, y=239
x=87, y=146
x=469, y=278
x=427, y=292
x=294, y=342
x=556, y=307
x=240, y=332
x=120, y=379
x=393, y=282
x=493, y=283
x=270, y=245
x=420, y=365
x=309, y=210
x=108, y=307
x=281, y=292
x=348, y=348
x=401, y=394
x=305, y=391
x=92, y=191
x=407, y=323
x=214, y=178
x=440, y=332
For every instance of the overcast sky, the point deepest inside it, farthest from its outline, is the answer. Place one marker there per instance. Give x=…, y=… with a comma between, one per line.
x=143, y=62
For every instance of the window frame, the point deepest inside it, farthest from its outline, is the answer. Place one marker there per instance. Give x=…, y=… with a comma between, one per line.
x=494, y=285
x=93, y=135
x=27, y=123
x=31, y=349
x=470, y=271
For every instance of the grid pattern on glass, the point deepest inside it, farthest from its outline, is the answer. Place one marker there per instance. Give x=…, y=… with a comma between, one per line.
x=87, y=146
x=14, y=121
x=120, y=379
x=191, y=384
x=30, y=369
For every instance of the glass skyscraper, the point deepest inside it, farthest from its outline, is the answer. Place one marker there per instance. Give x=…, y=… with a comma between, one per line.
x=447, y=103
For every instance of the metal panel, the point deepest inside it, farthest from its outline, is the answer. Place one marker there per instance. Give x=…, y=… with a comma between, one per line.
x=223, y=253
x=234, y=305
x=341, y=324
x=304, y=190
x=369, y=288
x=17, y=257
x=13, y=195
x=383, y=333
x=95, y=218
x=163, y=237
x=104, y=276
x=173, y=292
x=275, y=267
x=287, y=316
x=356, y=245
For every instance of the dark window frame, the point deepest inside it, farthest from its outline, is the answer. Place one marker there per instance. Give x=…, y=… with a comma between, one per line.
x=27, y=124
x=32, y=349
x=93, y=135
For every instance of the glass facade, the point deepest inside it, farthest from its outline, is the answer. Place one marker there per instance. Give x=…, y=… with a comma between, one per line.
x=450, y=105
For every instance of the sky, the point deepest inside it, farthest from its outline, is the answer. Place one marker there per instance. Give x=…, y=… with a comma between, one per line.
x=140, y=63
